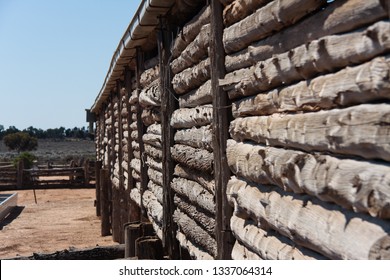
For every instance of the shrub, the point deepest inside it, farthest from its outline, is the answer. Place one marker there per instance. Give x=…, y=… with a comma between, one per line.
x=27, y=158
x=20, y=141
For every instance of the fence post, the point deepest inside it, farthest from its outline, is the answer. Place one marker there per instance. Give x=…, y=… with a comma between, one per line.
x=19, y=178
x=98, y=167
x=105, y=202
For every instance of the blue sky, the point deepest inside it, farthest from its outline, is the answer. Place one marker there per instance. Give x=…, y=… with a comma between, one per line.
x=54, y=56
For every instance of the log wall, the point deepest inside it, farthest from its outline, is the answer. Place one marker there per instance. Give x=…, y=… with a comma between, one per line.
x=290, y=102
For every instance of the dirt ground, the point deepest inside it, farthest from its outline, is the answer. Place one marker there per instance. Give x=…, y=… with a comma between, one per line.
x=61, y=219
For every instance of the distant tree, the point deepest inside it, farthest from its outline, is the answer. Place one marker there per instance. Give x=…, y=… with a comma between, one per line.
x=20, y=141
x=1, y=131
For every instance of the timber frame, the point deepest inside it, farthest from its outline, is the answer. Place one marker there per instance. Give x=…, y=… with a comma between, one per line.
x=247, y=129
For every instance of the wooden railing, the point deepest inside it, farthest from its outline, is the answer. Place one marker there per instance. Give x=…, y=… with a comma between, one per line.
x=49, y=176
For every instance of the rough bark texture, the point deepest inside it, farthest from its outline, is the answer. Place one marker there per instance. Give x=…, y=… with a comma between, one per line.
x=152, y=139
x=339, y=17
x=151, y=95
x=197, y=97
x=268, y=245
x=195, y=233
x=153, y=163
x=240, y=9
x=190, y=31
x=358, y=131
x=308, y=222
x=154, y=129
x=189, y=117
x=198, y=159
x=368, y=82
x=193, y=250
x=155, y=176
x=149, y=75
x=191, y=78
x=358, y=185
x=205, y=179
x=150, y=116
x=195, y=137
x=153, y=152
x=265, y=21
x=194, y=52
x=306, y=61
x=203, y=219
x=195, y=193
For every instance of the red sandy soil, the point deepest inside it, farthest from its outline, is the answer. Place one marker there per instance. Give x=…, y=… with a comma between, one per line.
x=61, y=219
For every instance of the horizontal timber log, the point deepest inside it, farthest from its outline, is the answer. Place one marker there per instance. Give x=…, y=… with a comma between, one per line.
x=262, y=23
x=195, y=233
x=152, y=139
x=322, y=227
x=240, y=252
x=361, y=130
x=153, y=152
x=358, y=185
x=306, y=61
x=190, y=117
x=266, y=244
x=155, y=176
x=154, y=129
x=197, y=97
x=153, y=207
x=149, y=76
x=153, y=163
x=195, y=137
x=195, y=193
x=151, y=116
x=150, y=95
x=368, y=82
x=198, y=159
x=194, y=52
x=190, y=31
x=192, y=78
x=202, y=218
x=205, y=179
x=157, y=191
x=192, y=249
x=240, y=9
x=339, y=17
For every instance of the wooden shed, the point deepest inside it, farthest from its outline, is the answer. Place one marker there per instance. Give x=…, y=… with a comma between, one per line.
x=249, y=129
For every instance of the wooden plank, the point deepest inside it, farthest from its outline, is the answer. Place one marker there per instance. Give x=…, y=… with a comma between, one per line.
x=220, y=123
x=361, y=130
x=168, y=105
x=267, y=20
x=322, y=227
x=359, y=185
x=339, y=17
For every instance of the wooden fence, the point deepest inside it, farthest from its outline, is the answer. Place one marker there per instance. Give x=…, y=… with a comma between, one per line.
x=74, y=175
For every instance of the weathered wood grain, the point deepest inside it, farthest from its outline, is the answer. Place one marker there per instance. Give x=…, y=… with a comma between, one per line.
x=322, y=227
x=154, y=129
x=155, y=176
x=358, y=185
x=339, y=17
x=190, y=31
x=197, y=97
x=192, y=249
x=136, y=165
x=192, y=78
x=190, y=117
x=153, y=207
x=149, y=76
x=195, y=193
x=240, y=9
x=195, y=137
x=266, y=244
x=150, y=95
x=151, y=116
x=240, y=252
x=205, y=179
x=202, y=218
x=153, y=152
x=157, y=191
x=368, y=82
x=198, y=159
x=361, y=130
x=152, y=139
x=153, y=163
x=262, y=23
x=194, y=52
x=306, y=61
x=195, y=233
x=135, y=196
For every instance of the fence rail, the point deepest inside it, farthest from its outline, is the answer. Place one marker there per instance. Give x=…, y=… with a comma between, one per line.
x=54, y=176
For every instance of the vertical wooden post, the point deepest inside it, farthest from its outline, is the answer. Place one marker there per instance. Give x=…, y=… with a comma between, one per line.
x=133, y=231
x=133, y=209
x=19, y=179
x=168, y=105
x=141, y=132
x=224, y=211
x=104, y=202
x=98, y=167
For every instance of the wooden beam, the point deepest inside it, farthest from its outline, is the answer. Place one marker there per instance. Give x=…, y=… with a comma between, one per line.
x=134, y=210
x=220, y=125
x=105, y=204
x=168, y=105
x=141, y=131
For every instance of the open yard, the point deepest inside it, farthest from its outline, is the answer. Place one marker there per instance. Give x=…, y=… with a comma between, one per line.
x=61, y=219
